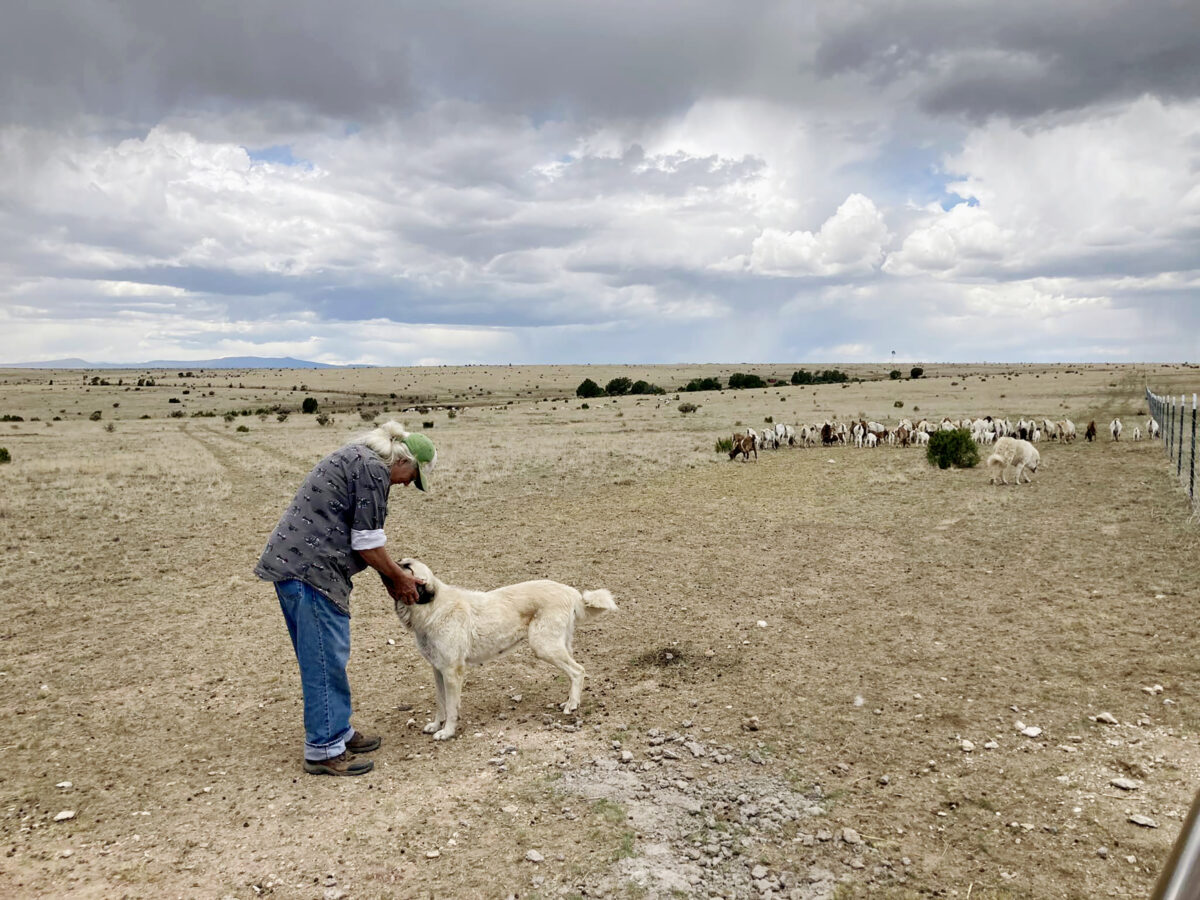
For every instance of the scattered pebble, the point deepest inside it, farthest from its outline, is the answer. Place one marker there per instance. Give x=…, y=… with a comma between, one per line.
x=1031, y=731
x=432, y=854
x=966, y=746
x=65, y=815
x=1104, y=718
x=1125, y=784
x=534, y=857
x=762, y=623
x=1144, y=821
x=64, y=785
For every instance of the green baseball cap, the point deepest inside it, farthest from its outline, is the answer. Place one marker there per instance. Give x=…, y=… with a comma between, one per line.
x=425, y=455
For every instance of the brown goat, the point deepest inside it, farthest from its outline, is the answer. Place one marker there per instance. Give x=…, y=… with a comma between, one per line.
x=744, y=444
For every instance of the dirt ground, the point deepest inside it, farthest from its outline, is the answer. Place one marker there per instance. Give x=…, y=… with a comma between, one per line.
x=779, y=708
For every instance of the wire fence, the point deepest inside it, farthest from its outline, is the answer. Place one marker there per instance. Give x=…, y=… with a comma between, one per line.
x=1178, y=431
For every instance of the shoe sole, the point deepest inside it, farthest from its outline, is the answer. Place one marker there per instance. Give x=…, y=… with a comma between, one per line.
x=317, y=768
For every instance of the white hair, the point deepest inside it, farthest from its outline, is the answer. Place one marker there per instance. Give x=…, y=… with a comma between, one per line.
x=387, y=441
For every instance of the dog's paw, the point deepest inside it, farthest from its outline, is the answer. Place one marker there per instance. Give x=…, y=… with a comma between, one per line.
x=431, y=727
x=444, y=735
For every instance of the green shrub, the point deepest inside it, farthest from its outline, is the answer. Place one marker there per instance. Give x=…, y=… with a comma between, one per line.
x=703, y=384
x=899, y=404
x=825, y=376
x=5, y=456
x=585, y=406
x=894, y=374
x=95, y=417
x=9, y=418
x=588, y=388
x=740, y=380
x=916, y=372
x=281, y=416
x=724, y=445
x=618, y=386
x=686, y=408
x=367, y=415
x=769, y=419
x=242, y=428
x=952, y=448
x=426, y=424
x=323, y=419
x=309, y=406
x=644, y=387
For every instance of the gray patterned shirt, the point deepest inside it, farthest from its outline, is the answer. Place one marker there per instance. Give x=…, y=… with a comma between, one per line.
x=346, y=491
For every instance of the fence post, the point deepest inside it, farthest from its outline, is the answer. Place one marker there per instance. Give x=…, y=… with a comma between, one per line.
x=1192, y=463
x=1179, y=467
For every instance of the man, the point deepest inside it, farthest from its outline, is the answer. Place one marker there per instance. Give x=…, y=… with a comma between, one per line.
x=332, y=530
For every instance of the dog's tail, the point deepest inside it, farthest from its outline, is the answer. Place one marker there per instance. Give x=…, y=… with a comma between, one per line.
x=593, y=604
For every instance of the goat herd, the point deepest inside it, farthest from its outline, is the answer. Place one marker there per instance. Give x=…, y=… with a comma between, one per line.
x=1012, y=443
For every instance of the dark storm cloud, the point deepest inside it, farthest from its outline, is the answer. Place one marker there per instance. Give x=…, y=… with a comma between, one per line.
x=1021, y=59
x=139, y=60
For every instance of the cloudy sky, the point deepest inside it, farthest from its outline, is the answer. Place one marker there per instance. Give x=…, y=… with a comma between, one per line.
x=457, y=182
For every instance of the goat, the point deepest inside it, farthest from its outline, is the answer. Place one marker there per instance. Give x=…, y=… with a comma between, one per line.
x=1115, y=427
x=1090, y=434
x=744, y=444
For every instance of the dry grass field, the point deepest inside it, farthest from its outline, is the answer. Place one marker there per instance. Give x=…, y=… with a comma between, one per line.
x=804, y=644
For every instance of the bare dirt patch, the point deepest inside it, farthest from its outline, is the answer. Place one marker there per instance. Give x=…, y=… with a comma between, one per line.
x=861, y=740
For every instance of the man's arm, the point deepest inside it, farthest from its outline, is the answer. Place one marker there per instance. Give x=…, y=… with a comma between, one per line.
x=401, y=585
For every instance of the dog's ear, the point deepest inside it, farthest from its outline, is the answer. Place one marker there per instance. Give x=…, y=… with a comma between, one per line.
x=425, y=593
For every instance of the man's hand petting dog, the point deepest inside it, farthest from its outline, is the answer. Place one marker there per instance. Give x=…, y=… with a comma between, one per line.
x=401, y=586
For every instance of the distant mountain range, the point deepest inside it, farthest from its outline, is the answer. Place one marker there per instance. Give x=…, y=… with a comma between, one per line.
x=225, y=362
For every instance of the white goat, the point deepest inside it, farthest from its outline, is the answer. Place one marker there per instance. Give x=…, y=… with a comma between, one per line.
x=1115, y=427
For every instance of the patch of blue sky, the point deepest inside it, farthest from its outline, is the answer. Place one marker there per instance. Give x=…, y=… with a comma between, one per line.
x=906, y=173
x=277, y=154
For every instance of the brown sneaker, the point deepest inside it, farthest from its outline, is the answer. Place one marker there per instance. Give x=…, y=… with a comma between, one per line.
x=346, y=764
x=363, y=743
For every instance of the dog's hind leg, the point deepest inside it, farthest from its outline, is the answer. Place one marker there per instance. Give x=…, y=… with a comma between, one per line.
x=557, y=653
x=453, y=681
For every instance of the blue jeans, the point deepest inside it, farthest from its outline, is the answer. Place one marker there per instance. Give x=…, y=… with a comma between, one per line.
x=321, y=638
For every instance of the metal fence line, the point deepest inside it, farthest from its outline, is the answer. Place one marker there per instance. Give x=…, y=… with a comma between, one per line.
x=1170, y=412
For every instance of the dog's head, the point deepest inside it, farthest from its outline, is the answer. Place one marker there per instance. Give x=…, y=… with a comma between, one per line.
x=426, y=589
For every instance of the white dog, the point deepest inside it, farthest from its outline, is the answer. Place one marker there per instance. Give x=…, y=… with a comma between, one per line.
x=1012, y=452
x=454, y=626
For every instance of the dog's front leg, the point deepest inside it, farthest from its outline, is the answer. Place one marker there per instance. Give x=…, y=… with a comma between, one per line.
x=453, y=681
x=440, y=683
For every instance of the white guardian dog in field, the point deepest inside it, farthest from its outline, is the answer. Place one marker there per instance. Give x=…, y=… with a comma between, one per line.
x=1012, y=452
x=455, y=627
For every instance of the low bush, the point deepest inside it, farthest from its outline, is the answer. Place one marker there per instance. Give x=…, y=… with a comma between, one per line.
x=5, y=456
x=309, y=406
x=703, y=384
x=242, y=428
x=740, y=380
x=367, y=415
x=588, y=388
x=724, y=445
x=894, y=374
x=916, y=372
x=952, y=448
x=618, y=386
x=323, y=419
x=644, y=387
x=95, y=417
x=426, y=424
x=281, y=417
x=686, y=408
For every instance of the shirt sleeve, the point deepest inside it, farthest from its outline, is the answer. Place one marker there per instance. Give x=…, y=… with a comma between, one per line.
x=371, y=484
x=367, y=540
